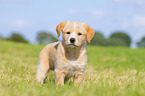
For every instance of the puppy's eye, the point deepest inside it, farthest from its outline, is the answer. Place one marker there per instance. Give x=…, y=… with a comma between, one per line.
x=67, y=32
x=79, y=33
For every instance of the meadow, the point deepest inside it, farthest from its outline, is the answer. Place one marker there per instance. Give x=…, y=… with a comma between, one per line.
x=111, y=71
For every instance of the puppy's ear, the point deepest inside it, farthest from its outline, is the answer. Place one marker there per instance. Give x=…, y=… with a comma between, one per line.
x=60, y=27
x=90, y=32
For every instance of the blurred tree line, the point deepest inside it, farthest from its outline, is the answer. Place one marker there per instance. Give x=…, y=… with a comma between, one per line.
x=16, y=37
x=115, y=39
x=141, y=43
x=44, y=37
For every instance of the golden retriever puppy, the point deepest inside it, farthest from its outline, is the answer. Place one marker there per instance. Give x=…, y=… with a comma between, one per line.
x=67, y=58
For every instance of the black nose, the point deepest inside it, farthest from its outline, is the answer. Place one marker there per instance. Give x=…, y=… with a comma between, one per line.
x=72, y=40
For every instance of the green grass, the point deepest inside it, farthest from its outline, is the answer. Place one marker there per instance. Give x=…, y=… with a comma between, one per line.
x=110, y=71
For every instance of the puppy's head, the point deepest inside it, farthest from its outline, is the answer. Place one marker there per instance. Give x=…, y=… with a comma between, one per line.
x=75, y=33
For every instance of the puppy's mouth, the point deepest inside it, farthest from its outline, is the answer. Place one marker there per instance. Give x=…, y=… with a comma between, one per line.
x=72, y=45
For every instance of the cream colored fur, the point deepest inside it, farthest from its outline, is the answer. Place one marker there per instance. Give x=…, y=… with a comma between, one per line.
x=65, y=58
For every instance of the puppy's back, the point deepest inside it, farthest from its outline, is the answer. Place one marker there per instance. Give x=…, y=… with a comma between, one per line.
x=47, y=54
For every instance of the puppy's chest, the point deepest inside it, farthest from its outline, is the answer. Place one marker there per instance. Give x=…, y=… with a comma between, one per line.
x=73, y=67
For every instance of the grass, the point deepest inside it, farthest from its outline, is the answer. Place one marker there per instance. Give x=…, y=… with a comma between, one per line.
x=110, y=71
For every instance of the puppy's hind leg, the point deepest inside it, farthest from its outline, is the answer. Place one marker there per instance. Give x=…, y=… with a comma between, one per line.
x=42, y=70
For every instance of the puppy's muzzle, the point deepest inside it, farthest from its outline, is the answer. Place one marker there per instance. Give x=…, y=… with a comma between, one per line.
x=72, y=40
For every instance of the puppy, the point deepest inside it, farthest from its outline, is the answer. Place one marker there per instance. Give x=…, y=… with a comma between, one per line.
x=67, y=58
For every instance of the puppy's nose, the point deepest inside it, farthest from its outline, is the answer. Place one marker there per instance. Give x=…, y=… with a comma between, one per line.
x=72, y=40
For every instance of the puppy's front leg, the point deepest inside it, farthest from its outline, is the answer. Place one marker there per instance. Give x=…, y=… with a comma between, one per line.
x=79, y=78
x=59, y=77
